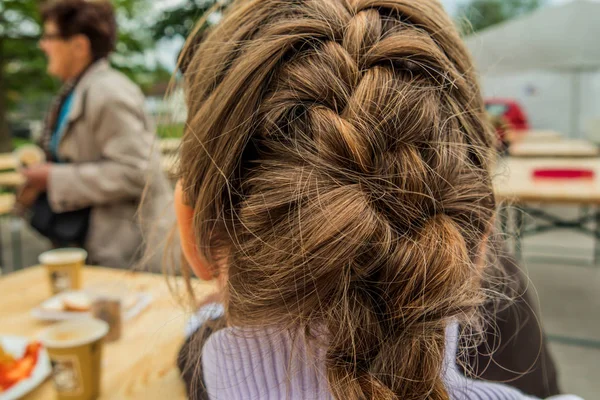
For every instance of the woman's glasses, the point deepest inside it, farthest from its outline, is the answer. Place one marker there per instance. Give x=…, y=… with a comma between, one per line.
x=52, y=36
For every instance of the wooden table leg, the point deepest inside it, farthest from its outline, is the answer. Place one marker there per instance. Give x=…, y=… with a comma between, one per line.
x=3, y=267
x=597, y=238
x=518, y=227
x=15, y=230
x=503, y=216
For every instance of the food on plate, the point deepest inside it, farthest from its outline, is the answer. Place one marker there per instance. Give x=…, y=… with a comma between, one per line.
x=5, y=358
x=12, y=370
x=30, y=155
x=71, y=302
x=55, y=304
x=82, y=302
x=77, y=302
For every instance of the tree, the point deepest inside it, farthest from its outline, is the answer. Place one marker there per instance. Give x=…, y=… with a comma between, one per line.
x=23, y=74
x=481, y=14
x=180, y=20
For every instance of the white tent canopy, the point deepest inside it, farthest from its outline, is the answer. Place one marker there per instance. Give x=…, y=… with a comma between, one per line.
x=564, y=38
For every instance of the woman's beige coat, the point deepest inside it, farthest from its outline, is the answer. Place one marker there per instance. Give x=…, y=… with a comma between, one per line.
x=110, y=152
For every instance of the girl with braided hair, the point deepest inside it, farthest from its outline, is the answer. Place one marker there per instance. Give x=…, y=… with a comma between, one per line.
x=335, y=180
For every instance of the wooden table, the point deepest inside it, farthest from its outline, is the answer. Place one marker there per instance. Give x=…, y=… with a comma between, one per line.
x=11, y=179
x=533, y=135
x=141, y=365
x=514, y=181
x=169, y=145
x=170, y=165
x=7, y=203
x=562, y=148
x=7, y=161
x=516, y=188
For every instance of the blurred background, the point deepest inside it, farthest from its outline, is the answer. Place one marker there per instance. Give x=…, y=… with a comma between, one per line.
x=539, y=62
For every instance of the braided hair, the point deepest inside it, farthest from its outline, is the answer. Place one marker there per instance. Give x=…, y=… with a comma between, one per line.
x=336, y=153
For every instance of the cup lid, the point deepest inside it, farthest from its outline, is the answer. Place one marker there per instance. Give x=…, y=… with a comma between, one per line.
x=74, y=333
x=62, y=256
x=108, y=290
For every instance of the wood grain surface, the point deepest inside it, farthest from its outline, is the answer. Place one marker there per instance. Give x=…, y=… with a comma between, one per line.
x=169, y=145
x=141, y=365
x=7, y=203
x=514, y=181
x=533, y=135
x=7, y=161
x=11, y=179
x=560, y=148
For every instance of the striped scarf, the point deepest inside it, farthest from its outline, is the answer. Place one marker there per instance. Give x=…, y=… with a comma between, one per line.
x=51, y=119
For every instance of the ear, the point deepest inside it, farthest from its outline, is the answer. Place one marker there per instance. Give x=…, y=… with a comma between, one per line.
x=185, y=223
x=82, y=44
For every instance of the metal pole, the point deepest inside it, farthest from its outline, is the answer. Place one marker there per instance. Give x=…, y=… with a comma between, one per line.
x=597, y=238
x=519, y=211
x=15, y=230
x=575, y=105
x=3, y=265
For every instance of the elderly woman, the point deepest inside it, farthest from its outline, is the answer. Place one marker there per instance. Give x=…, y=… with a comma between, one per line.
x=99, y=142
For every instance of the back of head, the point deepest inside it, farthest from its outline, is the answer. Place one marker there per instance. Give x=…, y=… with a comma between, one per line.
x=336, y=155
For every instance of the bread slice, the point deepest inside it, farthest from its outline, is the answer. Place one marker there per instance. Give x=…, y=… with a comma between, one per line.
x=55, y=304
x=77, y=302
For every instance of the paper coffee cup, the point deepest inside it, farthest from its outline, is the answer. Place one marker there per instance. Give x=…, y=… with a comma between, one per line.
x=64, y=268
x=107, y=305
x=75, y=350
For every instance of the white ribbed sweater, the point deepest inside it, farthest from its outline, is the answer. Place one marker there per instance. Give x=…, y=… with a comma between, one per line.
x=245, y=364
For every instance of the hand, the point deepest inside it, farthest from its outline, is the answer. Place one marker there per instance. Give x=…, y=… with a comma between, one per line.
x=38, y=176
x=26, y=196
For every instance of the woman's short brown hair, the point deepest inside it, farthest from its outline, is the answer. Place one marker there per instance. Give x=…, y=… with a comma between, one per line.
x=93, y=18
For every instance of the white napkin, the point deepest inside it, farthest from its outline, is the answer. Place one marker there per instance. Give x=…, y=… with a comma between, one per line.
x=208, y=312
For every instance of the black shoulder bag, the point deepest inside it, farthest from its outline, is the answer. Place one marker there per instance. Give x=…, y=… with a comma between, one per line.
x=63, y=229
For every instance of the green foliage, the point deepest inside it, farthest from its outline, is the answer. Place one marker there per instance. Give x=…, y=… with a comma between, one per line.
x=170, y=131
x=23, y=63
x=23, y=77
x=180, y=20
x=17, y=17
x=26, y=64
x=20, y=142
x=478, y=15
